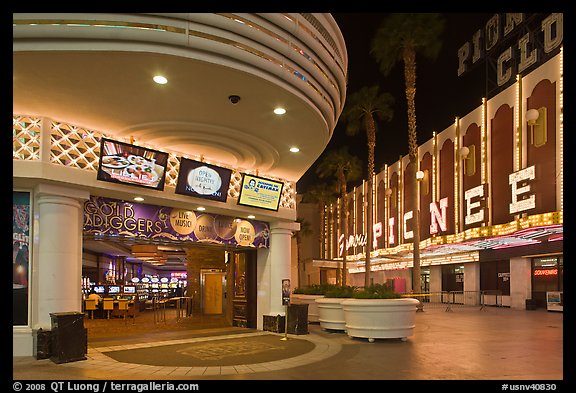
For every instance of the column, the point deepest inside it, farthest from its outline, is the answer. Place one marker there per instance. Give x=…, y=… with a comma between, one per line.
x=280, y=260
x=57, y=266
x=520, y=282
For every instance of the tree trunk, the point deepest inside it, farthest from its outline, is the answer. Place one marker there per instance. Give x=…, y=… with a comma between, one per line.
x=371, y=134
x=410, y=78
x=342, y=179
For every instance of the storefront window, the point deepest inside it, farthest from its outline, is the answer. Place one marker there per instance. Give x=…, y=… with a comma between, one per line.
x=495, y=277
x=547, y=274
x=452, y=277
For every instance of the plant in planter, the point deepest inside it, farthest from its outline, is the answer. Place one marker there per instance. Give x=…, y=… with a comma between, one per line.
x=307, y=295
x=330, y=312
x=379, y=312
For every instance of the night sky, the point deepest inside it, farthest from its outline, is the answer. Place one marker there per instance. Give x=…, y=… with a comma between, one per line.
x=440, y=94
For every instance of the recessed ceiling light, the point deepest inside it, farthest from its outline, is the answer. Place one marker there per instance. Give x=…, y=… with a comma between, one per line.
x=251, y=216
x=279, y=111
x=294, y=149
x=201, y=209
x=160, y=79
x=138, y=199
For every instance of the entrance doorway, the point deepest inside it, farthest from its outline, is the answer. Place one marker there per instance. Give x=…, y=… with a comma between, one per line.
x=212, y=291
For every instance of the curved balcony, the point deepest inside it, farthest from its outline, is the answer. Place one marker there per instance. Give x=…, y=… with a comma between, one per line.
x=96, y=69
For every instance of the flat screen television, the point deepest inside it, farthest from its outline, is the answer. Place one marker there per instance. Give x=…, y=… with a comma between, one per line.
x=134, y=165
x=259, y=192
x=113, y=289
x=202, y=180
x=129, y=289
x=99, y=289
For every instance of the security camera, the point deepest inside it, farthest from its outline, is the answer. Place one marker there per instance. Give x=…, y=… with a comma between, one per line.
x=234, y=99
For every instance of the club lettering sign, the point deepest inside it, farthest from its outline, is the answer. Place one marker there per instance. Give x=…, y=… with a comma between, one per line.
x=111, y=217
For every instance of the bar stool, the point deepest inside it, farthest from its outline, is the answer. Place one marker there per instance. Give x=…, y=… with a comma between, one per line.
x=108, y=305
x=123, y=307
x=90, y=305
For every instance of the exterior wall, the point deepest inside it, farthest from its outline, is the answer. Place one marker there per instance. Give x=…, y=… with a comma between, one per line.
x=488, y=200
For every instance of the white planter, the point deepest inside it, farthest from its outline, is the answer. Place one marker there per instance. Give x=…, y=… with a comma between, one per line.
x=310, y=300
x=331, y=314
x=380, y=318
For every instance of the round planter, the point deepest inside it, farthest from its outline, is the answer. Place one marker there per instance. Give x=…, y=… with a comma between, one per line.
x=331, y=314
x=380, y=318
x=310, y=300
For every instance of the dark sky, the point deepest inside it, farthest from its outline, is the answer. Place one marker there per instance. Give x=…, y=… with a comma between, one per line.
x=440, y=94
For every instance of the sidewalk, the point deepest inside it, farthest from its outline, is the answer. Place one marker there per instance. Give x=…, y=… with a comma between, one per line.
x=465, y=344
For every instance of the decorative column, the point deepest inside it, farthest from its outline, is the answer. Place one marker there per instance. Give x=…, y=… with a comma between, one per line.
x=57, y=268
x=279, y=261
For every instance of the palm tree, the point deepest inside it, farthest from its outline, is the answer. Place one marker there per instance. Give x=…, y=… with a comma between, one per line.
x=305, y=230
x=345, y=167
x=321, y=194
x=399, y=38
x=359, y=112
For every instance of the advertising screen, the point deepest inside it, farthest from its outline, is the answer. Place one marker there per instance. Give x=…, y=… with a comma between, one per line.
x=260, y=192
x=202, y=180
x=129, y=289
x=129, y=164
x=113, y=289
x=99, y=289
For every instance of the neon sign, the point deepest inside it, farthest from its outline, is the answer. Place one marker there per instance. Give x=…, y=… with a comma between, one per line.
x=546, y=272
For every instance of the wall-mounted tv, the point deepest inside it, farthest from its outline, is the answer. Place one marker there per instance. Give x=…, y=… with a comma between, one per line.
x=202, y=180
x=260, y=192
x=129, y=164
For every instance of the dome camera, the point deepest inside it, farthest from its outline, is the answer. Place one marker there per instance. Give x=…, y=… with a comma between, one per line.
x=234, y=99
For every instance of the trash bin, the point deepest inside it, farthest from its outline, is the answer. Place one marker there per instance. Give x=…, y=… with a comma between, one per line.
x=298, y=319
x=42, y=344
x=69, y=338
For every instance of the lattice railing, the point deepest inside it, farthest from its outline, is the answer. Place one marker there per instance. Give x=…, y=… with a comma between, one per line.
x=79, y=147
x=26, y=137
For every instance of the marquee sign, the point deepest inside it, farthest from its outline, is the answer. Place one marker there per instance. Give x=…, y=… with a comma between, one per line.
x=111, y=217
x=475, y=210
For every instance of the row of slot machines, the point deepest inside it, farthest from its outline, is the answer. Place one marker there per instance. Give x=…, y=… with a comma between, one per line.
x=116, y=291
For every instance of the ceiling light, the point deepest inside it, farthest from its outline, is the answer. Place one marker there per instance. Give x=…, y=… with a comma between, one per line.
x=294, y=149
x=251, y=216
x=201, y=209
x=138, y=199
x=279, y=111
x=160, y=79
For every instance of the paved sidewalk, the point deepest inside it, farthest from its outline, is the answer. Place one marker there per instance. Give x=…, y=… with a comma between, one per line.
x=496, y=344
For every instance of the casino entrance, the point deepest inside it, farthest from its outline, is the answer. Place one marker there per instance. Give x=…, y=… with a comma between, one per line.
x=168, y=287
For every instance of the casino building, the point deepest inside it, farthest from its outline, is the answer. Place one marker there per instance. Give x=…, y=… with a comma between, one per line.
x=490, y=188
x=164, y=147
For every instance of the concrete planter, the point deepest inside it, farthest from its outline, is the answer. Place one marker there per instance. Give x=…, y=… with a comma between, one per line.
x=331, y=314
x=380, y=318
x=310, y=300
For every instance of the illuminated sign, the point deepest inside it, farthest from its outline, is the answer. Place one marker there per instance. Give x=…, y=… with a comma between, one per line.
x=520, y=187
x=438, y=217
x=476, y=199
x=259, y=192
x=202, y=180
x=536, y=40
x=546, y=272
x=129, y=164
